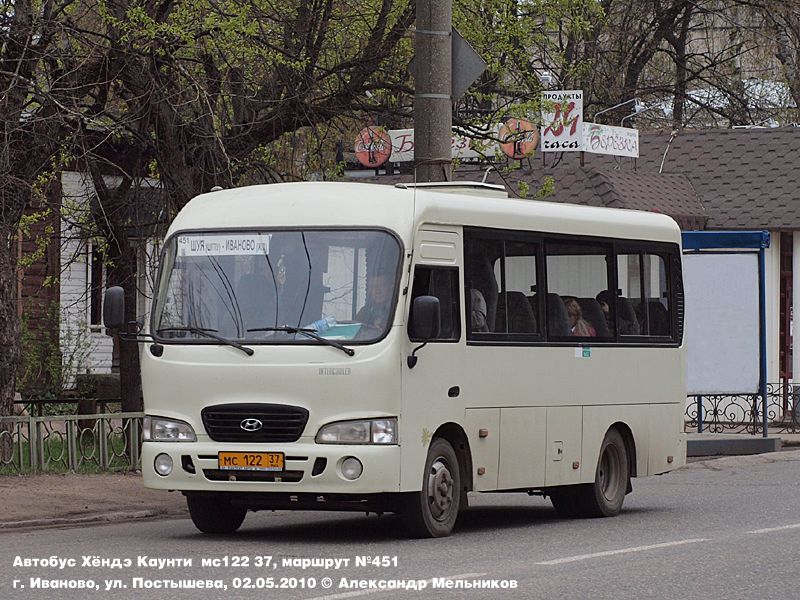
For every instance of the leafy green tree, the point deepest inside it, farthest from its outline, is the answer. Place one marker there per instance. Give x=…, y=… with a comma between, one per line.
x=528, y=47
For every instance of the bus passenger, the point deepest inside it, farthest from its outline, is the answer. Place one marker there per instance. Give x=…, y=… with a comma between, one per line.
x=478, y=313
x=578, y=325
x=626, y=326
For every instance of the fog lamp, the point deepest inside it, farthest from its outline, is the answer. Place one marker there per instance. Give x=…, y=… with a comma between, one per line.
x=163, y=464
x=352, y=468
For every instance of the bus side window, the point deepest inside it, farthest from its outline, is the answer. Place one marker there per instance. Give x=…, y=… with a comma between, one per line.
x=577, y=271
x=643, y=285
x=441, y=282
x=656, y=295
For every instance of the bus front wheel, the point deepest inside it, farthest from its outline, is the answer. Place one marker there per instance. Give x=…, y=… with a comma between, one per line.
x=432, y=512
x=212, y=513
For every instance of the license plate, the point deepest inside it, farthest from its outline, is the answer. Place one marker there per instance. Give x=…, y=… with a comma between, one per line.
x=251, y=461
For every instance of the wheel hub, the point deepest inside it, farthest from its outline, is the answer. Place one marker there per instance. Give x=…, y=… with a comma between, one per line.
x=440, y=489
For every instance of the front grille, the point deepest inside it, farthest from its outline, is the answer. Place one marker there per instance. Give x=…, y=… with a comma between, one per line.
x=229, y=475
x=279, y=423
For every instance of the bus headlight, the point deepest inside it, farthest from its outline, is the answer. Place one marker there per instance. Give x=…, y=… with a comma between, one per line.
x=367, y=431
x=159, y=429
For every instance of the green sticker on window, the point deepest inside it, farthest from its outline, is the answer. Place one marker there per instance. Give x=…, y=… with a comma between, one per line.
x=587, y=352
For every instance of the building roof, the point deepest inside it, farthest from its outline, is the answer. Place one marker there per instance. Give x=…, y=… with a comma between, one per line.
x=671, y=194
x=747, y=178
x=668, y=194
x=711, y=178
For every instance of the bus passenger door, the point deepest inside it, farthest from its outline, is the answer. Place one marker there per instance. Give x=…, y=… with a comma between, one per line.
x=433, y=390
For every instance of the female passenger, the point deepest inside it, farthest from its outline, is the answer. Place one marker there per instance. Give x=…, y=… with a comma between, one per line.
x=578, y=325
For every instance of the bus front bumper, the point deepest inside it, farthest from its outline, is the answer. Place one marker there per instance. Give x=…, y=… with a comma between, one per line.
x=308, y=468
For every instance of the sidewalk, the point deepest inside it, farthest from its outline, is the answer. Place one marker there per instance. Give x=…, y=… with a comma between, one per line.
x=737, y=444
x=787, y=439
x=70, y=499
x=790, y=439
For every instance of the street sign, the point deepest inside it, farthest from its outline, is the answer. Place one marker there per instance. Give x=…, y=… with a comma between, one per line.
x=466, y=64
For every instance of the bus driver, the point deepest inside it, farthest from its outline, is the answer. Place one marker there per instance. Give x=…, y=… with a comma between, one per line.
x=375, y=312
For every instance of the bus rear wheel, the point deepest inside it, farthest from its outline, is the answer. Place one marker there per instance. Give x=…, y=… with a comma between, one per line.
x=605, y=496
x=433, y=511
x=212, y=513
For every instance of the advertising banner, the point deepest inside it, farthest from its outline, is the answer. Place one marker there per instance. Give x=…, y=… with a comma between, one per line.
x=373, y=146
x=605, y=139
x=462, y=146
x=518, y=138
x=562, y=120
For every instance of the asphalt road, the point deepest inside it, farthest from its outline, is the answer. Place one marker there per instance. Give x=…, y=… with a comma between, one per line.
x=718, y=529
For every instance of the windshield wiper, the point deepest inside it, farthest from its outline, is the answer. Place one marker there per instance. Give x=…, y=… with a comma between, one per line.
x=312, y=333
x=208, y=334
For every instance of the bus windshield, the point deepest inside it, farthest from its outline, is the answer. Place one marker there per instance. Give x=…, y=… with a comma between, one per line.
x=261, y=286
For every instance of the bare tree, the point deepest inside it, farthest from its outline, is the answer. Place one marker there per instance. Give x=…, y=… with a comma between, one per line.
x=223, y=93
x=783, y=22
x=31, y=130
x=197, y=94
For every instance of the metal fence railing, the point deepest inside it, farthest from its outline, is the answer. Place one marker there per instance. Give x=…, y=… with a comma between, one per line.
x=83, y=443
x=112, y=441
x=743, y=413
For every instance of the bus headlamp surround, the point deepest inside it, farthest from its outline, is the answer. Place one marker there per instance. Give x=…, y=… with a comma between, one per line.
x=364, y=431
x=159, y=429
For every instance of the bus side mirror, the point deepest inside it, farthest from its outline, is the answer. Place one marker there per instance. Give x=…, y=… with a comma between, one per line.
x=426, y=320
x=114, y=308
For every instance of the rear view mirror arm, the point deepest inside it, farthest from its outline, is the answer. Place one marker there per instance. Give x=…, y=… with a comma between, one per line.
x=411, y=361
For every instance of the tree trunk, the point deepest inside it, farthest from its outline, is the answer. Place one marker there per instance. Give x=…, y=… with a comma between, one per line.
x=122, y=271
x=679, y=43
x=9, y=336
x=107, y=212
x=785, y=26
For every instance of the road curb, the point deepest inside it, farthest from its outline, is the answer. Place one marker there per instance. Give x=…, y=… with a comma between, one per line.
x=113, y=517
x=749, y=460
x=703, y=444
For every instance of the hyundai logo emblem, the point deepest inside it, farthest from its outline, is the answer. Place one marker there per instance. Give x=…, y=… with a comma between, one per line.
x=251, y=424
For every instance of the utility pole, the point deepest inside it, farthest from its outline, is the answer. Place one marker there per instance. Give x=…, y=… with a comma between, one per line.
x=433, y=110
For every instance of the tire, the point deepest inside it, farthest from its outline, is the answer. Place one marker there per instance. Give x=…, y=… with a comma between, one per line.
x=214, y=514
x=605, y=496
x=433, y=511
